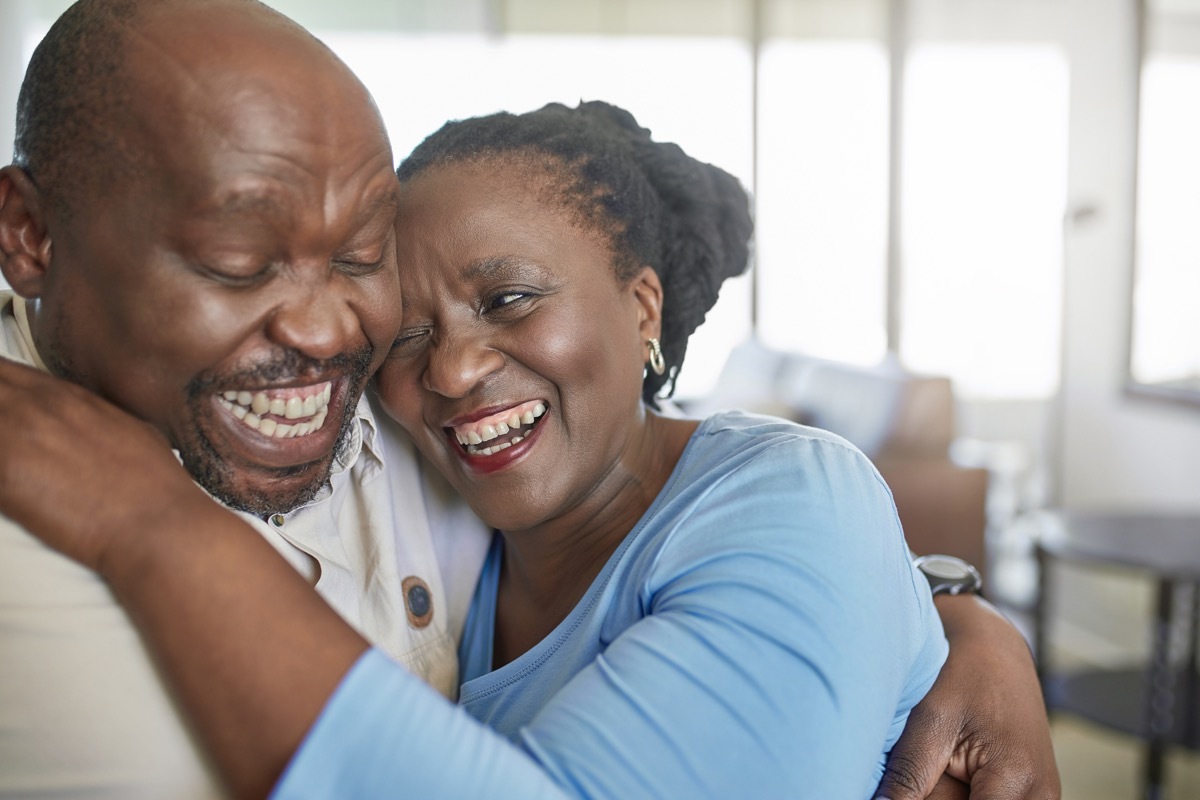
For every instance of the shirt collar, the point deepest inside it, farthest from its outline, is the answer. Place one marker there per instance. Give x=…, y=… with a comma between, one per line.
x=363, y=438
x=21, y=315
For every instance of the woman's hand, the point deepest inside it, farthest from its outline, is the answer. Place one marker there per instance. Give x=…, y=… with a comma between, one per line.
x=983, y=722
x=77, y=472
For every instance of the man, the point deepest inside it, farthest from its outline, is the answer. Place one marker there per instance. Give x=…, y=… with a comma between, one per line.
x=198, y=228
x=201, y=214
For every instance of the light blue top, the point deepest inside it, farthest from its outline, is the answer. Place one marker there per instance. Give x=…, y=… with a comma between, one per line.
x=760, y=633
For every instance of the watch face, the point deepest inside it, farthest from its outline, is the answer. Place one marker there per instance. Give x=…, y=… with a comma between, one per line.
x=949, y=575
x=942, y=568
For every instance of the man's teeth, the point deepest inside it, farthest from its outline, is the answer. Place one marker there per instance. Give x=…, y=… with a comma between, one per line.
x=488, y=431
x=309, y=411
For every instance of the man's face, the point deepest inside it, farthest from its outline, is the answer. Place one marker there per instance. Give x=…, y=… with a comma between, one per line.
x=239, y=290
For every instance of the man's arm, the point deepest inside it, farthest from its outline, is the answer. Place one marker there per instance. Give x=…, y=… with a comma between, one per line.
x=983, y=722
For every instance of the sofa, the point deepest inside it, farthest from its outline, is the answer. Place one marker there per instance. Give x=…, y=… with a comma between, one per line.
x=903, y=422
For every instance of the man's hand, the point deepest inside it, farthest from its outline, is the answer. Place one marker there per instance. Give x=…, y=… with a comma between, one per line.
x=74, y=468
x=983, y=722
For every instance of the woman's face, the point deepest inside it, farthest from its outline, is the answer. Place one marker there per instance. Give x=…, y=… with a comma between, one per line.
x=518, y=369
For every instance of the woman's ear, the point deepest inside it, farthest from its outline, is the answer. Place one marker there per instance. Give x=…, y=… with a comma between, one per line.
x=24, y=241
x=647, y=290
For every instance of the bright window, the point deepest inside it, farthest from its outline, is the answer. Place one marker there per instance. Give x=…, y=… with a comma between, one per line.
x=822, y=198
x=985, y=171
x=1166, y=323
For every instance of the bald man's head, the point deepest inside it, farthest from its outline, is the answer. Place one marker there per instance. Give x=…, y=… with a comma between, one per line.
x=82, y=89
x=202, y=212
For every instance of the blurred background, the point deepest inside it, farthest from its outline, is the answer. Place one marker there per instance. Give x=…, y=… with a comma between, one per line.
x=978, y=257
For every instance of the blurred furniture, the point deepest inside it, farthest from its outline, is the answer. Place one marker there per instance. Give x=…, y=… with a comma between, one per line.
x=905, y=423
x=1158, y=701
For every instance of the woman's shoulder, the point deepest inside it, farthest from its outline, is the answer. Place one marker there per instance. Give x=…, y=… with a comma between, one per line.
x=733, y=440
x=743, y=471
x=748, y=423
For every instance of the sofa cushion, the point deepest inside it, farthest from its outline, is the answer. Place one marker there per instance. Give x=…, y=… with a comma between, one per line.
x=858, y=403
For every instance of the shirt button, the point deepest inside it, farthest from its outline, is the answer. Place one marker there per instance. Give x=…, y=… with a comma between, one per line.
x=418, y=601
x=277, y=520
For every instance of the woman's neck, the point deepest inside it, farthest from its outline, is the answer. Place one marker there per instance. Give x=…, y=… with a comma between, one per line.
x=548, y=568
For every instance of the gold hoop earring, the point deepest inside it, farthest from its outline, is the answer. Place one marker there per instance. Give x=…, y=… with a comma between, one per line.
x=657, y=363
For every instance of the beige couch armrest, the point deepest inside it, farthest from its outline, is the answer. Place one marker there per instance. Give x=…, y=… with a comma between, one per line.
x=943, y=507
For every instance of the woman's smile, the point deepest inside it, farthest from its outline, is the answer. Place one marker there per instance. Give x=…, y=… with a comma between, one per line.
x=494, y=441
x=494, y=432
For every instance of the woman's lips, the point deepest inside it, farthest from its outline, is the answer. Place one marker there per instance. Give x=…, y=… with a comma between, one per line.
x=492, y=443
x=499, y=431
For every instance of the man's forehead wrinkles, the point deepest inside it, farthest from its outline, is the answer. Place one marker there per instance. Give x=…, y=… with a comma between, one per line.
x=167, y=59
x=377, y=203
x=359, y=192
x=246, y=200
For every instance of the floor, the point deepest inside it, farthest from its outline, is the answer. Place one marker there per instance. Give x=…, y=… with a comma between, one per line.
x=1096, y=764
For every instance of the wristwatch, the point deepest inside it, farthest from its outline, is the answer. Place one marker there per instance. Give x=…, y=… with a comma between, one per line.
x=949, y=575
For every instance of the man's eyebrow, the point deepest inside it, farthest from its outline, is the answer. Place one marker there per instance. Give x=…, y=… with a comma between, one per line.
x=264, y=199
x=243, y=201
x=381, y=201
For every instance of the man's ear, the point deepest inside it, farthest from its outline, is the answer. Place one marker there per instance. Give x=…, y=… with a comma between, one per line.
x=647, y=290
x=24, y=241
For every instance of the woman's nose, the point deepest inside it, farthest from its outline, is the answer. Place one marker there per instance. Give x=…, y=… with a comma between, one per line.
x=457, y=366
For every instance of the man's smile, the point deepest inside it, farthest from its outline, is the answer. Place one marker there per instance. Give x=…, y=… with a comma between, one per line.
x=280, y=413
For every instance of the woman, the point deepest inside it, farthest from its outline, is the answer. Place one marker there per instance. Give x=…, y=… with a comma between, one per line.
x=678, y=579
x=708, y=608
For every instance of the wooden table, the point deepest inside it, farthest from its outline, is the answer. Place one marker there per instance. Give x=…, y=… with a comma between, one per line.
x=1158, y=701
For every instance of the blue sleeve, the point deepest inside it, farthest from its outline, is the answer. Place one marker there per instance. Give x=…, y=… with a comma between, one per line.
x=786, y=638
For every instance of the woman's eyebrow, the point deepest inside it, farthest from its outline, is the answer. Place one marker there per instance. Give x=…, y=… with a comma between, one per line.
x=501, y=266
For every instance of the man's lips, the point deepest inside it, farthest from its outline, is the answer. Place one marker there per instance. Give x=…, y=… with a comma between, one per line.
x=283, y=413
x=498, y=431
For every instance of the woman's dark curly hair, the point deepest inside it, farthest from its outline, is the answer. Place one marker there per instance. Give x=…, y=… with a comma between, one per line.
x=656, y=206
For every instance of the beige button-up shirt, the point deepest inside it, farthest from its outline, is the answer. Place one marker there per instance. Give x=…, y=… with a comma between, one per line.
x=83, y=712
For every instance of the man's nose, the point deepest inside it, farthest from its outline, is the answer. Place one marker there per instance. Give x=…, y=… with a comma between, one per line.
x=319, y=321
x=460, y=364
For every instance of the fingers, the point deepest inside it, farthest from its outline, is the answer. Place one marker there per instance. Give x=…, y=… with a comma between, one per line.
x=920, y=757
x=949, y=788
x=995, y=780
x=74, y=469
x=994, y=784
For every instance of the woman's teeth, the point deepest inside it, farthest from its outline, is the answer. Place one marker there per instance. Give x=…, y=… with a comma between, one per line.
x=486, y=430
x=304, y=410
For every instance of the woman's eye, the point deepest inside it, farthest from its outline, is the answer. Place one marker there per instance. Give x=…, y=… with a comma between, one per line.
x=505, y=299
x=408, y=342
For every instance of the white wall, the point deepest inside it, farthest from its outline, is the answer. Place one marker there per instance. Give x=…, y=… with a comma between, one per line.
x=12, y=62
x=1117, y=451
x=12, y=25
